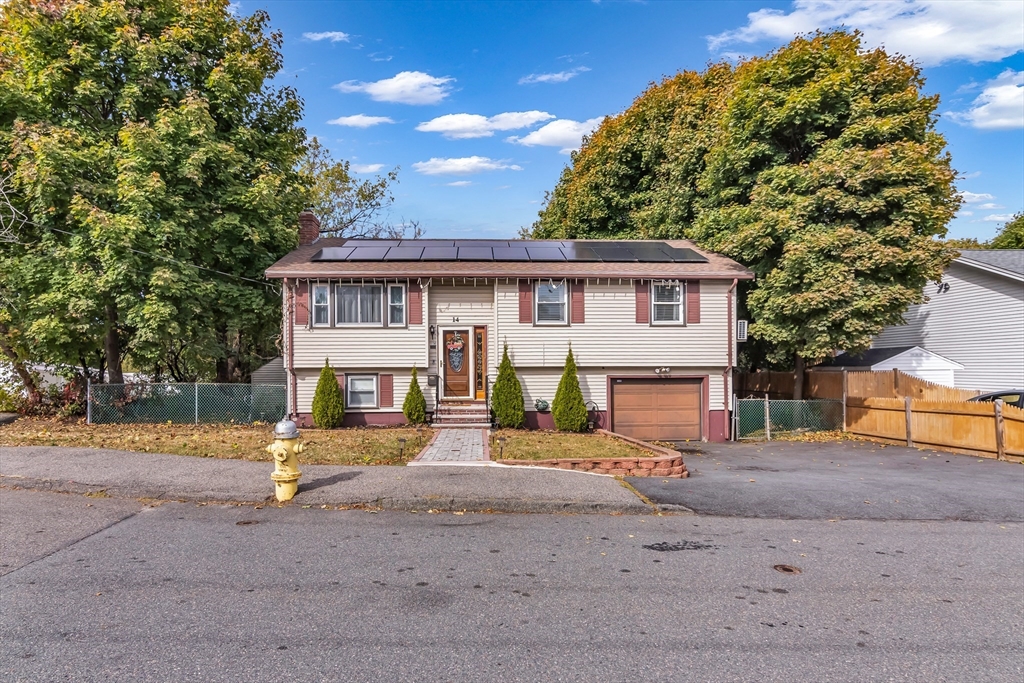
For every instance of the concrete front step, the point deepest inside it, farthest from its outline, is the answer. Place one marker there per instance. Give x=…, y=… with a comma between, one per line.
x=460, y=425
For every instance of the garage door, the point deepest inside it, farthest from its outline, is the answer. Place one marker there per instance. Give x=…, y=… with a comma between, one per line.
x=657, y=409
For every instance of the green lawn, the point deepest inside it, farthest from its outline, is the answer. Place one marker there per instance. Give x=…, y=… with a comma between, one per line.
x=542, y=445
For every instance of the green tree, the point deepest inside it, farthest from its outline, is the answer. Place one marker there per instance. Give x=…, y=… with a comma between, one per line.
x=507, y=396
x=415, y=405
x=817, y=166
x=328, y=401
x=155, y=166
x=568, y=408
x=1011, y=235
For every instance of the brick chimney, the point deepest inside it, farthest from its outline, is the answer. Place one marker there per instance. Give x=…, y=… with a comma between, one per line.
x=309, y=228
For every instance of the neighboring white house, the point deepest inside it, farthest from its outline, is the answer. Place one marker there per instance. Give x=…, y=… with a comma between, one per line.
x=912, y=360
x=270, y=373
x=974, y=318
x=651, y=325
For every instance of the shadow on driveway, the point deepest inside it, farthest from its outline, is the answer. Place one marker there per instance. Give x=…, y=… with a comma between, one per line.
x=841, y=480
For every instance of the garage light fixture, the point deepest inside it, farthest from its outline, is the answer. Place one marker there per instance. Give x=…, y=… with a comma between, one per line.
x=662, y=371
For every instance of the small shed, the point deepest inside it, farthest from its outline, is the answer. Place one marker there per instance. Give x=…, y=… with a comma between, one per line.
x=271, y=373
x=913, y=360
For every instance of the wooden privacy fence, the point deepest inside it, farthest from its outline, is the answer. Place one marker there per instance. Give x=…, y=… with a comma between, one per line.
x=981, y=428
x=836, y=384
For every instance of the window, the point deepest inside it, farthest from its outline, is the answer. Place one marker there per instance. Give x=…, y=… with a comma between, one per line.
x=396, y=305
x=359, y=304
x=667, y=303
x=551, y=303
x=362, y=391
x=321, y=305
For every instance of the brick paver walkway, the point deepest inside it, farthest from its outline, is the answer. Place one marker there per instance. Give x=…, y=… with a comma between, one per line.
x=456, y=446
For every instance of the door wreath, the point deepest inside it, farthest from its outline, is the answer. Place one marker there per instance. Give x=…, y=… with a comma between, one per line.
x=456, y=352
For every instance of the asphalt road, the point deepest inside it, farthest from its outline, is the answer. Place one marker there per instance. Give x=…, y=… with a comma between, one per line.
x=844, y=480
x=191, y=592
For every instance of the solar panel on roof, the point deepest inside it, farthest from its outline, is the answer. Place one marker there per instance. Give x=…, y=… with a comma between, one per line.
x=578, y=253
x=686, y=255
x=510, y=254
x=545, y=254
x=332, y=254
x=439, y=254
x=475, y=254
x=614, y=254
x=367, y=254
x=404, y=254
x=649, y=253
x=536, y=244
x=371, y=243
x=427, y=243
x=482, y=243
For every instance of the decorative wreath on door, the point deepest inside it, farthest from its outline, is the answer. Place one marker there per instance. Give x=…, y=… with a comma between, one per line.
x=456, y=352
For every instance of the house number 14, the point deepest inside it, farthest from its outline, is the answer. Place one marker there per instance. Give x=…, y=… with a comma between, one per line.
x=455, y=320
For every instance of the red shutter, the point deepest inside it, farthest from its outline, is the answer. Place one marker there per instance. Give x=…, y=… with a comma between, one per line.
x=415, y=304
x=577, y=315
x=526, y=301
x=643, y=305
x=692, y=302
x=302, y=302
x=341, y=385
x=387, y=390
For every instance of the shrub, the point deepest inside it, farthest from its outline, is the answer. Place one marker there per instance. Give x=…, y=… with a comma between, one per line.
x=415, y=406
x=568, y=408
x=328, y=402
x=507, y=396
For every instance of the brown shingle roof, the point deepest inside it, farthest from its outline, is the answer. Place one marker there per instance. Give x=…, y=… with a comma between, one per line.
x=297, y=264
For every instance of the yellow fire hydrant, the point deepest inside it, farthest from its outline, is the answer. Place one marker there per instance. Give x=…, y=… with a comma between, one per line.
x=285, y=449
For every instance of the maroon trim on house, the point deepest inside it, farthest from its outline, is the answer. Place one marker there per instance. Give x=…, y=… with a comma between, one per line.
x=704, y=398
x=302, y=303
x=526, y=302
x=358, y=420
x=692, y=302
x=538, y=420
x=717, y=420
x=415, y=304
x=340, y=376
x=577, y=315
x=643, y=303
x=386, y=390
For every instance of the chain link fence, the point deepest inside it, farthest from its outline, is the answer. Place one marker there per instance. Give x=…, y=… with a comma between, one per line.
x=185, y=403
x=758, y=418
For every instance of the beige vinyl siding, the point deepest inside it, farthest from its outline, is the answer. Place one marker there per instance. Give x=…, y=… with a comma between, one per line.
x=611, y=334
x=473, y=305
x=307, y=379
x=976, y=323
x=542, y=383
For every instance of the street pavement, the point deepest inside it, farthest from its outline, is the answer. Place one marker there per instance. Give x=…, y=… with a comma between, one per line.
x=840, y=480
x=194, y=592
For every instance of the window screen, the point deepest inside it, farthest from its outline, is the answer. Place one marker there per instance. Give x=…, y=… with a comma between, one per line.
x=667, y=303
x=359, y=304
x=321, y=305
x=396, y=305
x=362, y=391
x=551, y=302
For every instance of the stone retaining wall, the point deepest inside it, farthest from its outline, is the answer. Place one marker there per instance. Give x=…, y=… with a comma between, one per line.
x=664, y=462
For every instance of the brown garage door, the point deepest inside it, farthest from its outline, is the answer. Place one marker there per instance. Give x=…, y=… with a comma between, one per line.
x=658, y=409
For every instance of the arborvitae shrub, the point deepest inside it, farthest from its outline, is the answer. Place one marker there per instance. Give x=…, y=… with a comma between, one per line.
x=415, y=405
x=507, y=396
x=568, y=408
x=328, y=401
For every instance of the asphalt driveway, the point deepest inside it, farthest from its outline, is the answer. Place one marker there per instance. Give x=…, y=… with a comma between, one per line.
x=843, y=480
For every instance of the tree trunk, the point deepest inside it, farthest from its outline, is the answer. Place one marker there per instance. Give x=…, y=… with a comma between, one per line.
x=112, y=347
x=798, y=380
x=19, y=367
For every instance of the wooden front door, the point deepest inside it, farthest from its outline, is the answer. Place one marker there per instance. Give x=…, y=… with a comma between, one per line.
x=457, y=354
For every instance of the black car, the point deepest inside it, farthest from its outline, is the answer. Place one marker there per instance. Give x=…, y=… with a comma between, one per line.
x=1011, y=397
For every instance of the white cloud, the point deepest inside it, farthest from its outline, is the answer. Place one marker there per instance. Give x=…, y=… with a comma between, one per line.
x=461, y=126
x=407, y=87
x=365, y=168
x=460, y=183
x=564, y=133
x=989, y=206
x=975, y=197
x=965, y=213
x=929, y=31
x=333, y=36
x=557, y=77
x=360, y=121
x=379, y=57
x=1000, y=106
x=462, y=166
x=999, y=217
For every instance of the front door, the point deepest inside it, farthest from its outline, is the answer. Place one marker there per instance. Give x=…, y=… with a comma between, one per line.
x=456, y=354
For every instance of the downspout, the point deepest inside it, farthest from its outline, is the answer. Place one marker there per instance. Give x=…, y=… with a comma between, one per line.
x=290, y=331
x=727, y=375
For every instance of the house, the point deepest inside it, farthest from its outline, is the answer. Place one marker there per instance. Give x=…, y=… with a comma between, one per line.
x=272, y=372
x=973, y=318
x=651, y=325
x=913, y=360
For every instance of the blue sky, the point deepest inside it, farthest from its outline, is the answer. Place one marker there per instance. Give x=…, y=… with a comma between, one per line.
x=478, y=102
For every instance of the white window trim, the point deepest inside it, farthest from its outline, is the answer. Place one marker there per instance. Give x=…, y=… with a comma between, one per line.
x=405, y=304
x=313, y=305
x=380, y=304
x=565, y=304
x=682, y=303
x=348, y=391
